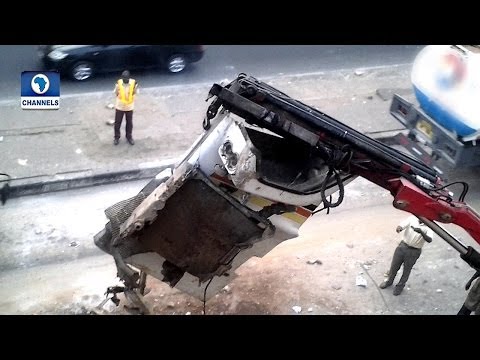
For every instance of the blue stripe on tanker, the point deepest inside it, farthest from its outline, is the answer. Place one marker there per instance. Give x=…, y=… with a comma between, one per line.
x=442, y=116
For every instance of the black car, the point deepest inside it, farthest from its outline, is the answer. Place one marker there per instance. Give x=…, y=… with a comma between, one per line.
x=81, y=62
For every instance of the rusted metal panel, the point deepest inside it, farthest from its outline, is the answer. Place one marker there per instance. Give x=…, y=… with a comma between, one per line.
x=198, y=231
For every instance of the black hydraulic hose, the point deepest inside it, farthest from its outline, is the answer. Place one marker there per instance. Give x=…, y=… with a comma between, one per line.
x=341, y=189
x=464, y=191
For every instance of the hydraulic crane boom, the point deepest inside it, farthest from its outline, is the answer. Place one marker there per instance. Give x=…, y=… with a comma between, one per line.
x=416, y=188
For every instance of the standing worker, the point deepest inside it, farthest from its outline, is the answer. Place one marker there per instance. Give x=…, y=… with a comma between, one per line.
x=472, y=302
x=125, y=89
x=408, y=251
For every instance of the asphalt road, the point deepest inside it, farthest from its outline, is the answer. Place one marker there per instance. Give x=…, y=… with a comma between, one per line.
x=219, y=62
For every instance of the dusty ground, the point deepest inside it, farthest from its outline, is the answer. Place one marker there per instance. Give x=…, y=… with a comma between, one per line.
x=354, y=241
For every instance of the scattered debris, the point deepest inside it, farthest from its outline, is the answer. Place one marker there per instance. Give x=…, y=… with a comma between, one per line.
x=38, y=231
x=449, y=248
x=1, y=138
x=361, y=281
x=70, y=112
x=425, y=281
x=456, y=266
x=73, y=244
x=354, y=98
x=310, y=309
x=359, y=72
x=350, y=246
x=188, y=313
x=313, y=262
x=366, y=267
x=227, y=289
x=171, y=304
x=78, y=151
x=370, y=97
x=22, y=162
x=297, y=309
x=439, y=290
x=368, y=262
x=110, y=106
x=110, y=122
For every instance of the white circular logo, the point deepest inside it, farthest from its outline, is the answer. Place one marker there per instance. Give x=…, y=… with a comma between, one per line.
x=40, y=84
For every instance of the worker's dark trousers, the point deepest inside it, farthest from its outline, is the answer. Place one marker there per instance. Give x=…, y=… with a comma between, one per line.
x=464, y=310
x=407, y=256
x=118, y=123
x=472, y=302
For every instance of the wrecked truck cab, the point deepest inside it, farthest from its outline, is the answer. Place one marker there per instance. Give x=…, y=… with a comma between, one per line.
x=251, y=179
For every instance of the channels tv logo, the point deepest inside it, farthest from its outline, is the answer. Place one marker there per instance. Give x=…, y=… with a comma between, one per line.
x=40, y=90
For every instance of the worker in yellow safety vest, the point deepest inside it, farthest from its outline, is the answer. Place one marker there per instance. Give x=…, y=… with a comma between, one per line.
x=125, y=89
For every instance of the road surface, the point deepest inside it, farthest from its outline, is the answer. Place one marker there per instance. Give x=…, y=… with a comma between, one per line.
x=219, y=62
x=50, y=264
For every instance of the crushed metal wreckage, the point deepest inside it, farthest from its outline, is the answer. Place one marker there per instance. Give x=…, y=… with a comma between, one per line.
x=238, y=192
x=263, y=165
